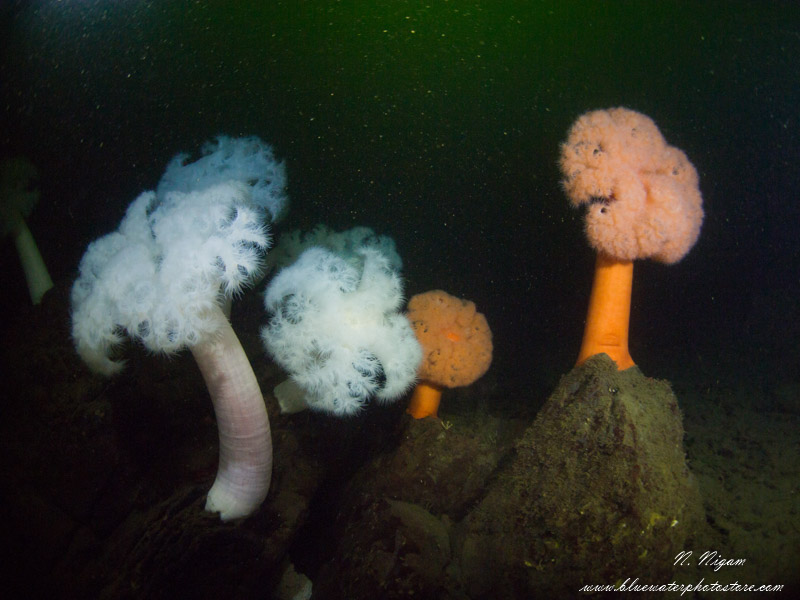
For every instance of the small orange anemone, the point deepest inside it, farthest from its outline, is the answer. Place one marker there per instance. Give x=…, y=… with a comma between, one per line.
x=456, y=346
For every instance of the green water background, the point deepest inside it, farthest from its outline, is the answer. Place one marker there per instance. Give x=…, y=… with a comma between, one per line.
x=437, y=123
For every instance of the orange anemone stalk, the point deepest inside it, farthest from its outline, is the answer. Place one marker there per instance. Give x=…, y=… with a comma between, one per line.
x=609, y=312
x=425, y=400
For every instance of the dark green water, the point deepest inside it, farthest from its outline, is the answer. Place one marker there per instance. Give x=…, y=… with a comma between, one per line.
x=436, y=123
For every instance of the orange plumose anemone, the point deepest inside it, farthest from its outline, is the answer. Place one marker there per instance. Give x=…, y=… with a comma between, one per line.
x=642, y=200
x=456, y=344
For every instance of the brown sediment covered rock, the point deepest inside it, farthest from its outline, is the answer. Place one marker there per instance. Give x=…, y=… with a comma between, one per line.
x=394, y=532
x=598, y=492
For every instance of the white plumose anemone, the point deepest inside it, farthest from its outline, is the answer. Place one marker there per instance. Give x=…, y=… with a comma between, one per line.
x=336, y=328
x=161, y=279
